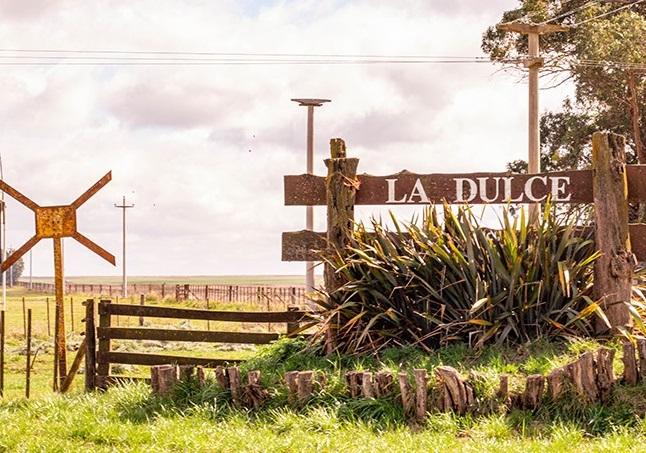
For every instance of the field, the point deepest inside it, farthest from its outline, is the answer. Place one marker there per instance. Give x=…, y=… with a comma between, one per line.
x=269, y=280
x=42, y=343
x=128, y=418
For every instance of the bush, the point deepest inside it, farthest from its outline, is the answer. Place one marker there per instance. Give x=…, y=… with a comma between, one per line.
x=435, y=283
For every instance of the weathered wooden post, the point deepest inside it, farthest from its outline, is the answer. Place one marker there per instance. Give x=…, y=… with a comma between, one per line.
x=103, y=365
x=614, y=269
x=142, y=301
x=28, y=364
x=90, y=353
x=341, y=188
x=292, y=326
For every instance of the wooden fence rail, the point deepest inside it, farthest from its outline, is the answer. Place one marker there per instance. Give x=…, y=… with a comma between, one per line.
x=286, y=295
x=100, y=358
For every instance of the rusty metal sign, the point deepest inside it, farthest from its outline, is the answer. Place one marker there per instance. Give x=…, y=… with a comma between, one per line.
x=57, y=222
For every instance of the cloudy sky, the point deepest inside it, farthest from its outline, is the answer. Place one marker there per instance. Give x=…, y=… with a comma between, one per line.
x=201, y=150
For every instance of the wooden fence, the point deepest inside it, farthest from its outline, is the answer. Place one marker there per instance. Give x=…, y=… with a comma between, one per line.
x=100, y=356
x=287, y=295
x=610, y=185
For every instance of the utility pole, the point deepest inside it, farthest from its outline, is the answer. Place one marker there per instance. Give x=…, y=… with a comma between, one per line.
x=534, y=64
x=31, y=269
x=3, y=239
x=309, y=210
x=124, y=279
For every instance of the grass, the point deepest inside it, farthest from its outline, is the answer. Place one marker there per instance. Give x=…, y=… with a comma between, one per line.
x=128, y=418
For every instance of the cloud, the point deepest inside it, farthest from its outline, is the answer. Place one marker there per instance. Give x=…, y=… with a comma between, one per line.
x=202, y=150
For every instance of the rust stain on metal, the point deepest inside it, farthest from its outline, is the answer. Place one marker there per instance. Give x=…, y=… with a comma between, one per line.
x=57, y=222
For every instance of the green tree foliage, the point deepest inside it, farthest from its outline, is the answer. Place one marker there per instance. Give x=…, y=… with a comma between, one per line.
x=605, y=58
x=15, y=272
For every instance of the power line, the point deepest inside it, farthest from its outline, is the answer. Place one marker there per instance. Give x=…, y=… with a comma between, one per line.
x=608, y=13
x=237, y=54
x=568, y=13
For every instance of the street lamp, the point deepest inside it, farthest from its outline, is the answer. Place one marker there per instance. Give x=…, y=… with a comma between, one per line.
x=309, y=210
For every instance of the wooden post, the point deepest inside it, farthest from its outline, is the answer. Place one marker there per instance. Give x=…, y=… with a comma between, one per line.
x=613, y=270
x=421, y=393
x=142, y=300
x=641, y=349
x=102, y=365
x=49, y=328
x=407, y=396
x=90, y=352
x=341, y=189
x=163, y=290
x=367, y=385
x=292, y=326
x=305, y=386
x=233, y=373
x=163, y=379
x=291, y=379
x=72, y=314
x=24, y=318
x=2, y=336
x=28, y=364
x=631, y=374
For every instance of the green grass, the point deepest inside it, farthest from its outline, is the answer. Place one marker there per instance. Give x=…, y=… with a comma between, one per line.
x=128, y=418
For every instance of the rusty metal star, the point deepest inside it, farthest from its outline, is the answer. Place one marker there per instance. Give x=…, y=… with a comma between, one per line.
x=57, y=222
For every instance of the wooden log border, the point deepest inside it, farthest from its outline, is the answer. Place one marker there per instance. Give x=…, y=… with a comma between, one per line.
x=590, y=379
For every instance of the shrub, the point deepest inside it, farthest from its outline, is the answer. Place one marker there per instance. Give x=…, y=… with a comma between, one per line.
x=439, y=282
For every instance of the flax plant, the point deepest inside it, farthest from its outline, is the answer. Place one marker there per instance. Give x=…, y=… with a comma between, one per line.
x=434, y=282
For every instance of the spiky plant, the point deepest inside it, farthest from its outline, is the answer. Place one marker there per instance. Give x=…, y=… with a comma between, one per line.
x=432, y=283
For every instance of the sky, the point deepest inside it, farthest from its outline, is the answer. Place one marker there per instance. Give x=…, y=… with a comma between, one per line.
x=201, y=150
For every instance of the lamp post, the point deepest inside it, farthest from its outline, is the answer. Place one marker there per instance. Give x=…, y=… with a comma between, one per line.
x=309, y=210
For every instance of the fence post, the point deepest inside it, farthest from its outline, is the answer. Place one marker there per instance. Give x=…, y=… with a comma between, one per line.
x=28, y=364
x=142, y=300
x=292, y=326
x=341, y=189
x=614, y=269
x=176, y=293
x=24, y=318
x=163, y=290
x=102, y=363
x=90, y=352
x=230, y=293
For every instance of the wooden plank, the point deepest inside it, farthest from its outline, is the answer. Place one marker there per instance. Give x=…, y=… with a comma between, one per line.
x=126, y=333
x=304, y=190
x=131, y=358
x=207, y=315
x=474, y=188
x=103, y=382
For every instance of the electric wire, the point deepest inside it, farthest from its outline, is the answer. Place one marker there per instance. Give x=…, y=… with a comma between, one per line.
x=608, y=13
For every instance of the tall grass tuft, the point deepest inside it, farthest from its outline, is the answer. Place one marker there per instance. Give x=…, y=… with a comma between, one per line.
x=433, y=283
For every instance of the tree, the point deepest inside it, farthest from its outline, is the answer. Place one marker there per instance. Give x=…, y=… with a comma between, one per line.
x=605, y=58
x=15, y=271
